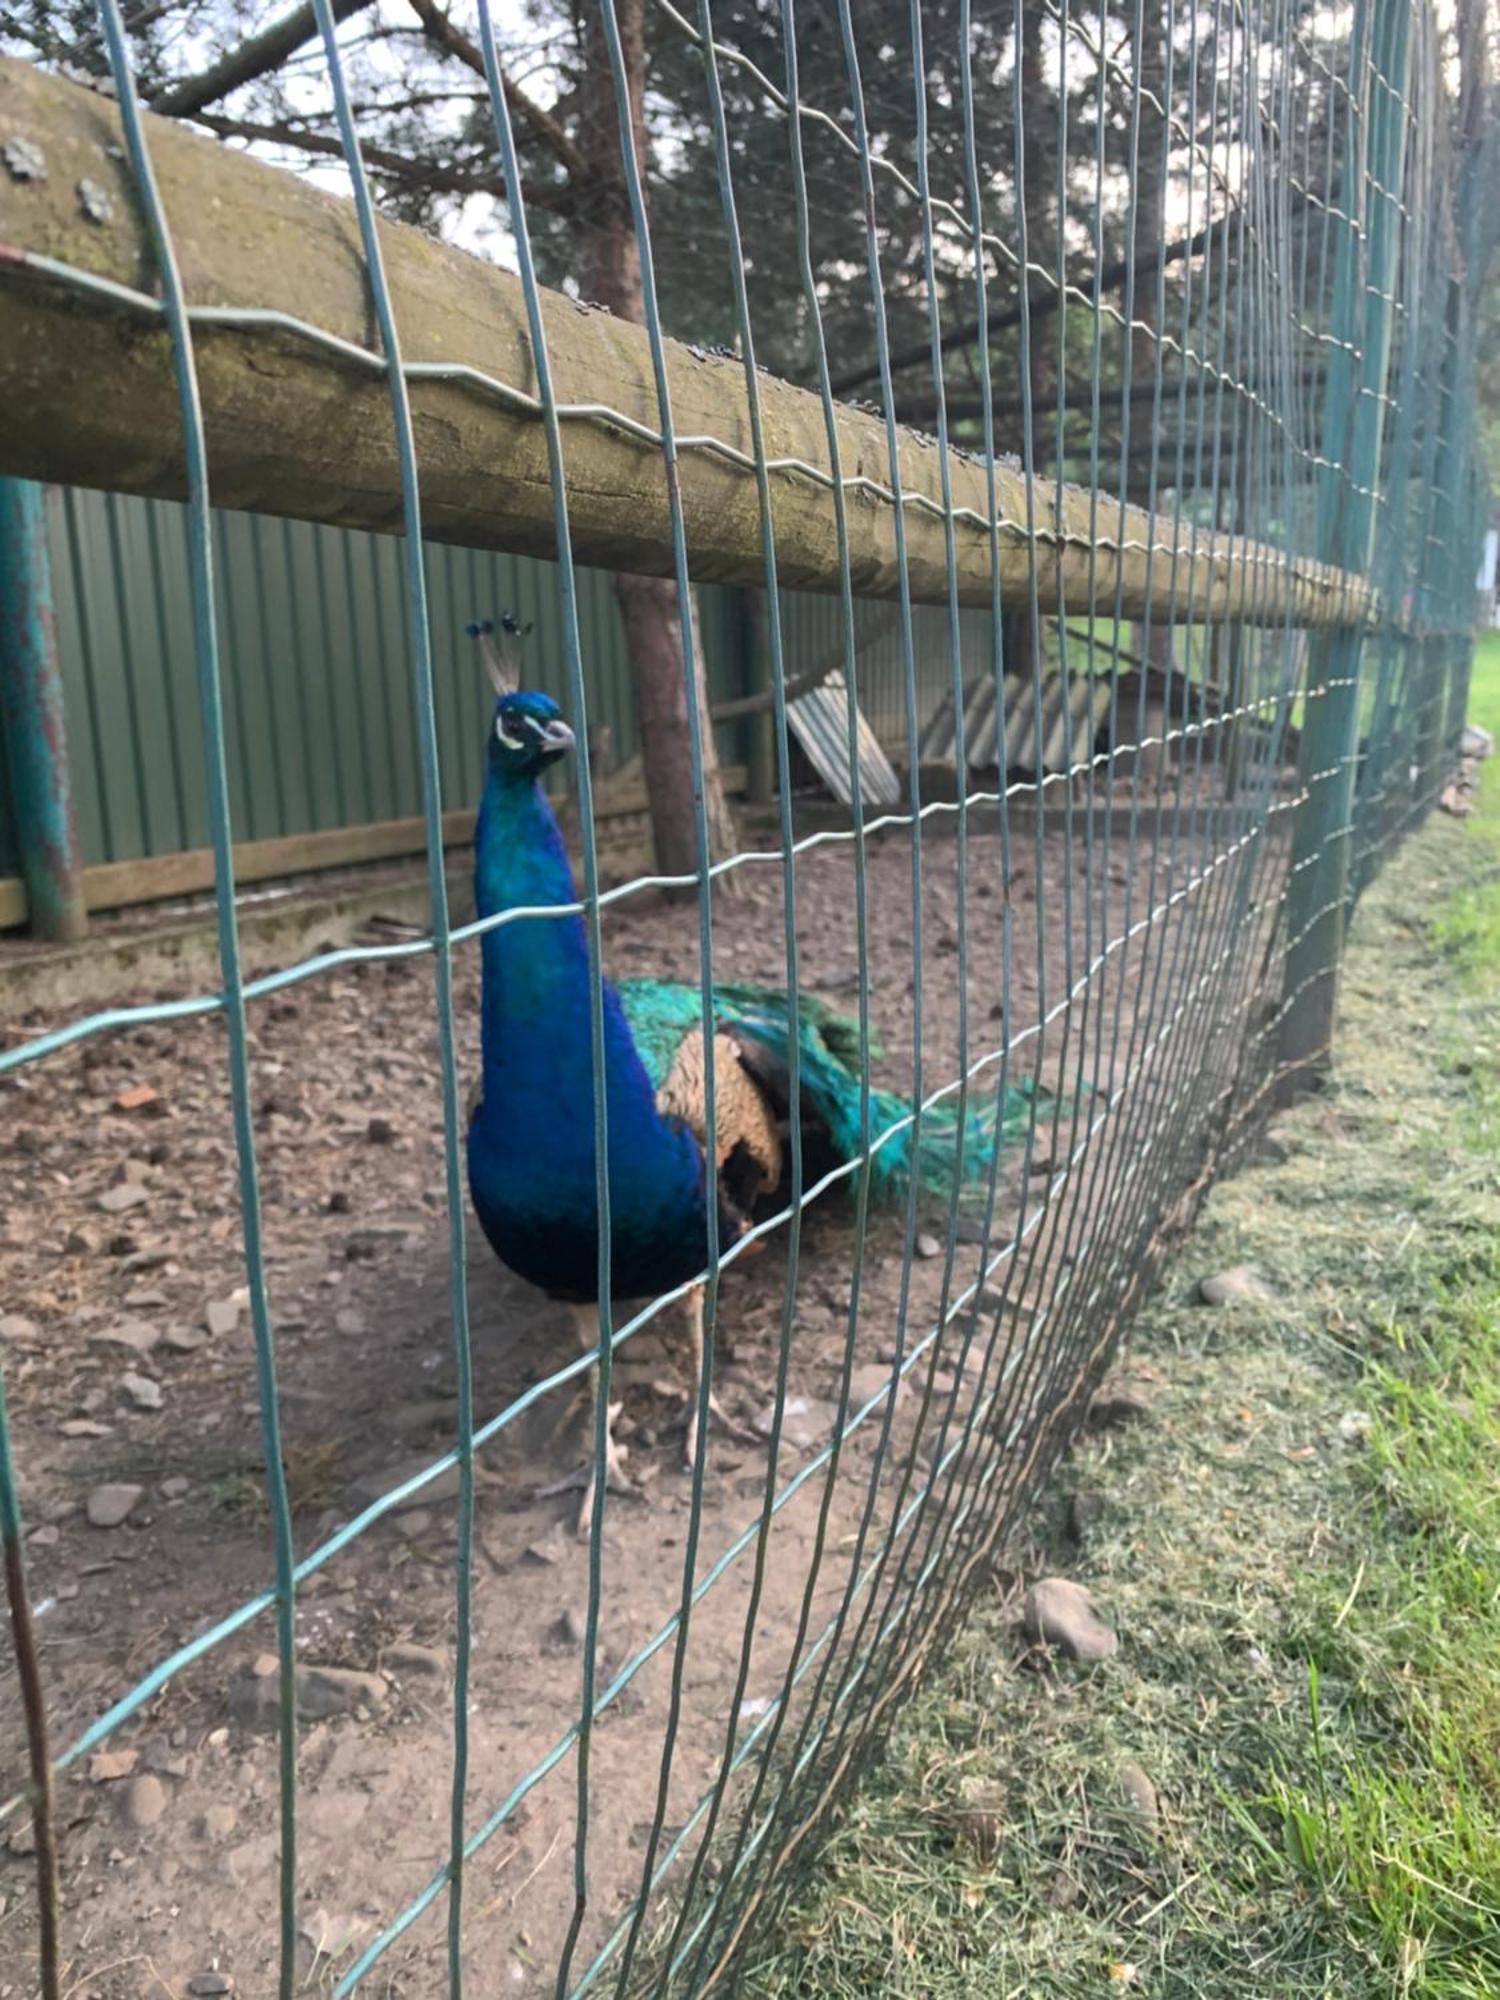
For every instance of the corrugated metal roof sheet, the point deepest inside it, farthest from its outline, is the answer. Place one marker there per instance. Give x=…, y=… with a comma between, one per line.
x=1067, y=724
x=820, y=723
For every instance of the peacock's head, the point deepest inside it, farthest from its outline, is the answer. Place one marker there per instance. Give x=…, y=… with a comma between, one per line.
x=529, y=734
x=529, y=731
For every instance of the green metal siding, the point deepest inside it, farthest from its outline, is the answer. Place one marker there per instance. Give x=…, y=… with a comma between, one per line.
x=317, y=674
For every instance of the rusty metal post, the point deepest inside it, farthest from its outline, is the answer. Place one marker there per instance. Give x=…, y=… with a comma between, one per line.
x=32, y=722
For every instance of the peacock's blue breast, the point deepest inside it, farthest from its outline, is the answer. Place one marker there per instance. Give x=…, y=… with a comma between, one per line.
x=540, y=1212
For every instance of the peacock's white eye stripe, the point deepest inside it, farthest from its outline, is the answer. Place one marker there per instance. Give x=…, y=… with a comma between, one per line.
x=510, y=742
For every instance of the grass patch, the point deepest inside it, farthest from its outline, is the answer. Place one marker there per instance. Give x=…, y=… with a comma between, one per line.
x=1300, y=1549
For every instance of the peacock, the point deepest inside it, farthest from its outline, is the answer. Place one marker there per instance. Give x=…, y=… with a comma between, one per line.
x=530, y=1141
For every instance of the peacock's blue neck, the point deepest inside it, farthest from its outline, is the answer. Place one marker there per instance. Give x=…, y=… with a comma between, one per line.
x=531, y=1146
x=521, y=863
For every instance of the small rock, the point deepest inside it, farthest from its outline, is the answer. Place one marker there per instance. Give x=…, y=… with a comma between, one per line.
x=410, y=1658
x=1060, y=1613
x=45, y=1537
x=164, y=1761
x=380, y=1131
x=330, y=1936
x=1116, y=1403
x=146, y=1800
x=182, y=1339
x=175, y=1487
x=126, y=1194
x=339, y=1203
x=440, y=1489
x=805, y=1421
x=1355, y=1426
x=142, y=1391
x=568, y=1629
x=80, y=1243
x=221, y=1316
x=1240, y=1282
x=136, y=1098
x=107, y=1765
x=412, y=1523
x=210, y=1985
x=85, y=1427
x=550, y=1550
x=868, y=1380
x=18, y=1329
x=139, y=1335
x=255, y=1699
x=336, y=1690
x=218, y=1822
x=927, y=1245
x=107, y=1506
x=1140, y=1794
x=1476, y=742
x=351, y=1324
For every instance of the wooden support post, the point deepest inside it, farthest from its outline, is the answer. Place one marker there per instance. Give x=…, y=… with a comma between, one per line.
x=32, y=721
x=1358, y=370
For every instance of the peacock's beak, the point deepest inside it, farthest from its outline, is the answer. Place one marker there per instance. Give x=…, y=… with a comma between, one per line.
x=557, y=736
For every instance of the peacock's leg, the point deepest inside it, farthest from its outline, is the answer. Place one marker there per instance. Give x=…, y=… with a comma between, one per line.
x=695, y=1401
x=586, y=1326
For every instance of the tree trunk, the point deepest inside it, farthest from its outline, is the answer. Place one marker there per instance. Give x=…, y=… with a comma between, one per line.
x=609, y=271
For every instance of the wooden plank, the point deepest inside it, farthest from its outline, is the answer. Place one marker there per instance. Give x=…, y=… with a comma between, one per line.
x=295, y=427
x=114, y=885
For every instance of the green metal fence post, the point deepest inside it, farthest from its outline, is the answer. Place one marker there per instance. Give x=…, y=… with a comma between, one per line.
x=760, y=742
x=1354, y=402
x=32, y=720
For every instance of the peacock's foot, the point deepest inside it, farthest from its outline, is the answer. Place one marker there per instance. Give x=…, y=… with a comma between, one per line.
x=730, y=1427
x=583, y=1477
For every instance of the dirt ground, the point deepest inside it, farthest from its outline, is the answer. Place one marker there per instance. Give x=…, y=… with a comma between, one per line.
x=129, y=1360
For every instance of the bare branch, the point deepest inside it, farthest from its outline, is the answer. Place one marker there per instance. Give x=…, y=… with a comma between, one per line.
x=441, y=32
x=432, y=174
x=254, y=58
x=1039, y=306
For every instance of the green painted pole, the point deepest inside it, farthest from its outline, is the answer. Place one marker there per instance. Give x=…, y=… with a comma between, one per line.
x=32, y=721
x=760, y=743
x=1358, y=373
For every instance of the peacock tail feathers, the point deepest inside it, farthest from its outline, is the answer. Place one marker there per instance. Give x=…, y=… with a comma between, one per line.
x=758, y=1019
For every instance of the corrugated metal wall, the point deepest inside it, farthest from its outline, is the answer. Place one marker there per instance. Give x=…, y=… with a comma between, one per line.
x=317, y=675
x=316, y=671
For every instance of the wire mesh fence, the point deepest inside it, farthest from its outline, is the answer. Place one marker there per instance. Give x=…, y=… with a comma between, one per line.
x=968, y=1061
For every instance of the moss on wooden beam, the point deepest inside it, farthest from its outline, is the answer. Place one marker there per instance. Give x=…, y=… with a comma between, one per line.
x=295, y=429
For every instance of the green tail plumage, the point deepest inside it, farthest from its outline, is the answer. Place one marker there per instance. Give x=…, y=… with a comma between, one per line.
x=661, y=1012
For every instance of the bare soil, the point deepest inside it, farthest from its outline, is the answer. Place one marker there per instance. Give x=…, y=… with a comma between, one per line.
x=346, y=1098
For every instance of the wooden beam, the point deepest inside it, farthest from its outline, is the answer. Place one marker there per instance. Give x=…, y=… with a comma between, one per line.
x=295, y=428
x=115, y=885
